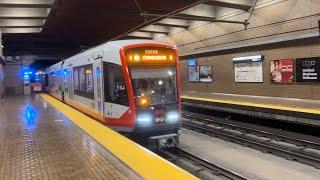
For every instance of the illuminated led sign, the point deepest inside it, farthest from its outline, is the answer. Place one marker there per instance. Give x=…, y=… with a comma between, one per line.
x=88, y=71
x=192, y=62
x=151, y=56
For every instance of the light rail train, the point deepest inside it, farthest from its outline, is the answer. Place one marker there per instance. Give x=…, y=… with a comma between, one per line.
x=132, y=86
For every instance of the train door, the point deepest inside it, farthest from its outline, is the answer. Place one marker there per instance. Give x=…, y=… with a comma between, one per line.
x=70, y=77
x=65, y=84
x=98, y=82
x=60, y=89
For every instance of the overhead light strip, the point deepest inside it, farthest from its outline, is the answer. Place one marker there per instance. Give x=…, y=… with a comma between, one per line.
x=24, y=16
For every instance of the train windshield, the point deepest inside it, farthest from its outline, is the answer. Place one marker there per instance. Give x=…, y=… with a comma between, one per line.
x=159, y=84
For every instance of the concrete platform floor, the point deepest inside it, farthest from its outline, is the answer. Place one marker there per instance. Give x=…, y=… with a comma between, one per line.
x=251, y=163
x=38, y=142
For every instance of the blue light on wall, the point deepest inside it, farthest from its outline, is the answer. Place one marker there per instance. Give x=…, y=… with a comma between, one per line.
x=27, y=73
x=26, y=76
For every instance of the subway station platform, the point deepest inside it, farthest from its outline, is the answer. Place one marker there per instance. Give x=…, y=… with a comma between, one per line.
x=305, y=111
x=38, y=141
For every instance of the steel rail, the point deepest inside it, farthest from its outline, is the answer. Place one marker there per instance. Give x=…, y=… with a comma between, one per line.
x=222, y=122
x=264, y=146
x=215, y=169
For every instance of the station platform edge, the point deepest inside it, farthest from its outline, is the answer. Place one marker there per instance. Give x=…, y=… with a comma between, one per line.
x=258, y=105
x=144, y=162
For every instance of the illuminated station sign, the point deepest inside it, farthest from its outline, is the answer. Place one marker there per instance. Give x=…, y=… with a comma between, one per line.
x=151, y=56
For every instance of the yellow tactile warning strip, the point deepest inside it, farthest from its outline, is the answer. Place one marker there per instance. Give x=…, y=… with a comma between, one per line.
x=142, y=161
x=284, y=108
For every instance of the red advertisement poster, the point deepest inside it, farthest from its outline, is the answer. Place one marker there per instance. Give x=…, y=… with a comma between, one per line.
x=281, y=71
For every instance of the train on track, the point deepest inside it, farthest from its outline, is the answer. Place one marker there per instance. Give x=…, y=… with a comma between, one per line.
x=132, y=86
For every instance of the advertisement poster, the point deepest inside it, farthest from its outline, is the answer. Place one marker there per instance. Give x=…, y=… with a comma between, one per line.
x=281, y=71
x=308, y=69
x=205, y=73
x=248, y=72
x=194, y=74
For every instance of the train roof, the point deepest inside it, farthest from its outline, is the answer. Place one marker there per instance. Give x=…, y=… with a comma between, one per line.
x=121, y=43
x=112, y=46
x=116, y=45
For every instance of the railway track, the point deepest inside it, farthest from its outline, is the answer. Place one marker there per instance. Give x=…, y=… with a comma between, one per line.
x=293, y=148
x=198, y=166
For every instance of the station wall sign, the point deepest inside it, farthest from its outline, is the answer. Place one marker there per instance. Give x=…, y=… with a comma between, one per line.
x=282, y=71
x=248, y=69
x=192, y=62
x=248, y=72
x=308, y=69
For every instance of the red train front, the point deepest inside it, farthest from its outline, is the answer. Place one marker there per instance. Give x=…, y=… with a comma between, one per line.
x=131, y=86
x=153, y=75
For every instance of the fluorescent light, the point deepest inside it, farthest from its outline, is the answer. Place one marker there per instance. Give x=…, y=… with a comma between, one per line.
x=21, y=22
x=21, y=30
x=49, y=2
x=23, y=12
x=248, y=58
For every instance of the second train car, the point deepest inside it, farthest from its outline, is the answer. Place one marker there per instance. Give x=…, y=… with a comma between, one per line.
x=131, y=86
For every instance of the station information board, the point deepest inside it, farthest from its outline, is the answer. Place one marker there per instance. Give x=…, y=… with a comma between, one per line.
x=251, y=72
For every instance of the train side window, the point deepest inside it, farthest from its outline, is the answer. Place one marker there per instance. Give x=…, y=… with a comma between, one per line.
x=46, y=80
x=65, y=80
x=115, y=87
x=60, y=79
x=52, y=80
x=83, y=81
x=76, y=79
x=89, y=79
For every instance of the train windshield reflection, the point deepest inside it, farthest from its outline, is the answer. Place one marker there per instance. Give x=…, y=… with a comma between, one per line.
x=160, y=84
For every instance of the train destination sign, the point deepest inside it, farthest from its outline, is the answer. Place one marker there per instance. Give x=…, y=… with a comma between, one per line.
x=308, y=69
x=151, y=56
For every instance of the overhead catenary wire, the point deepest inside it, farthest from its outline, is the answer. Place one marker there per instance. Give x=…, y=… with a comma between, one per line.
x=140, y=8
x=158, y=19
x=250, y=15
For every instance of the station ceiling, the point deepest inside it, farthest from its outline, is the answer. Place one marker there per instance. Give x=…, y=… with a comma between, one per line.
x=56, y=29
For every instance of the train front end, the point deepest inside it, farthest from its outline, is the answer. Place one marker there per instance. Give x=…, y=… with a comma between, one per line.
x=154, y=77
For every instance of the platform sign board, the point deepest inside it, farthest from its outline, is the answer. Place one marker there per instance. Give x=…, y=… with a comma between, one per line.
x=248, y=72
x=308, y=69
x=206, y=74
x=248, y=69
x=282, y=71
x=194, y=74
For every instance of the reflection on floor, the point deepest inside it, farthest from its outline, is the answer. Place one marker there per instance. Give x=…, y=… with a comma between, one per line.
x=38, y=142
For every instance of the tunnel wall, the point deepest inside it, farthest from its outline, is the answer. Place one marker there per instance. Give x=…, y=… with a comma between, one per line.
x=274, y=22
x=13, y=80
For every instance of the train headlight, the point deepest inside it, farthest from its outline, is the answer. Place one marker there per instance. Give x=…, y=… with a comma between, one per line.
x=144, y=119
x=172, y=117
